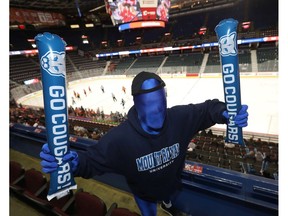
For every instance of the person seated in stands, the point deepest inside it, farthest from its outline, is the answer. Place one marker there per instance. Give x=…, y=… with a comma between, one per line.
x=36, y=123
x=250, y=152
x=265, y=164
x=95, y=135
x=85, y=135
x=210, y=133
x=149, y=148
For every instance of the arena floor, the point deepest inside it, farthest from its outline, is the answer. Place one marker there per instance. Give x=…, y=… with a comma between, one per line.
x=259, y=93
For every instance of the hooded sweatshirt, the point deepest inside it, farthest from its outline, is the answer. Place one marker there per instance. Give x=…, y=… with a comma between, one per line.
x=151, y=164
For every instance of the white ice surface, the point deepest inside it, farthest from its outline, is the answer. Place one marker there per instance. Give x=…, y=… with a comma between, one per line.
x=260, y=94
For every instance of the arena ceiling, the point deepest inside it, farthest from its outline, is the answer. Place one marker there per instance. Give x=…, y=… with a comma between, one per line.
x=71, y=8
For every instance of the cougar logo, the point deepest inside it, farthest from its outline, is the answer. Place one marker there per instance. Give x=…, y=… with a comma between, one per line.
x=228, y=45
x=54, y=63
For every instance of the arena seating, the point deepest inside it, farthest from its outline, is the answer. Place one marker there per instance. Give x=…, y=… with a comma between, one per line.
x=120, y=211
x=78, y=67
x=200, y=177
x=16, y=171
x=24, y=68
x=39, y=199
x=83, y=203
x=32, y=187
x=191, y=61
x=123, y=65
x=146, y=63
x=153, y=35
x=245, y=64
x=209, y=149
x=213, y=63
x=267, y=59
x=32, y=182
x=212, y=150
x=81, y=63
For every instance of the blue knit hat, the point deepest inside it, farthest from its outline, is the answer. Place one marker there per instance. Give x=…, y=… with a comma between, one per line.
x=140, y=78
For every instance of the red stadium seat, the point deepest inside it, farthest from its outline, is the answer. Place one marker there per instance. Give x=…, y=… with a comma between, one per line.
x=123, y=212
x=83, y=203
x=32, y=181
x=89, y=204
x=40, y=198
x=34, y=186
x=114, y=210
x=16, y=171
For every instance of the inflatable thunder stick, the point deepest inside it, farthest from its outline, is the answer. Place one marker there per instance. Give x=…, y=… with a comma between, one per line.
x=51, y=50
x=226, y=32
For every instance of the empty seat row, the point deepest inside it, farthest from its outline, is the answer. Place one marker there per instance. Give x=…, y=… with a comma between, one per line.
x=33, y=186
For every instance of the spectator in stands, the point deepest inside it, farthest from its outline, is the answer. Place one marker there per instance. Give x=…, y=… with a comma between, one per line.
x=95, y=135
x=36, y=123
x=250, y=152
x=85, y=135
x=41, y=125
x=80, y=130
x=102, y=115
x=259, y=156
x=265, y=164
x=26, y=123
x=149, y=148
x=210, y=133
x=191, y=146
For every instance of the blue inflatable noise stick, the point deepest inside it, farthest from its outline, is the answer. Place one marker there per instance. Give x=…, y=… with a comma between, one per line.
x=226, y=32
x=51, y=50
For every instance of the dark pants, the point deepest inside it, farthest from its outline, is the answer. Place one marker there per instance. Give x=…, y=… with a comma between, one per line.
x=147, y=208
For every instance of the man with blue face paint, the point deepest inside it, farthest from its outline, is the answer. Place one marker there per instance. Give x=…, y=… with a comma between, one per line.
x=149, y=148
x=150, y=103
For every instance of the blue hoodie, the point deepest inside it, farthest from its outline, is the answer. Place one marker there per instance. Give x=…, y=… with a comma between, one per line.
x=151, y=164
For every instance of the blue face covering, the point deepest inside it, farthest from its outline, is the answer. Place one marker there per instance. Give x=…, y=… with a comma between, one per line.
x=151, y=107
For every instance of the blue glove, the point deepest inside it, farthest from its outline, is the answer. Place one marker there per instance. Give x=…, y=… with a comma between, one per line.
x=241, y=119
x=49, y=163
x=73, y=157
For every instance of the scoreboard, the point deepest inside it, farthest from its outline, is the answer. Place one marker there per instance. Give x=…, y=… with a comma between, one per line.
x=127, y=14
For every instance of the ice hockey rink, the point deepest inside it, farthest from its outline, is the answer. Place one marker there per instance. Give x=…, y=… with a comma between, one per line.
x=259, y=93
